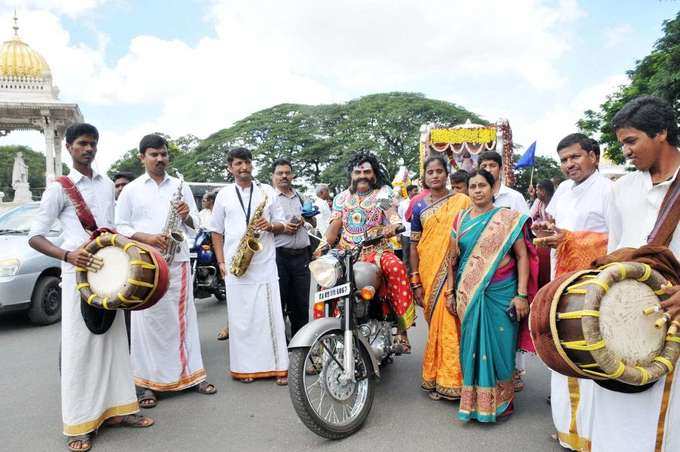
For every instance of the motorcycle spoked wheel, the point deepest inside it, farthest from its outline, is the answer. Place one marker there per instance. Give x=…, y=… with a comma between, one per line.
x=327, y=407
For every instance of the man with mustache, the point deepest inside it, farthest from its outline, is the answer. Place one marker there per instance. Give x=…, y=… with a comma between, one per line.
x=292, y=248
x=257, y=335
x=645, y=210
x=96, y=379
x=166, y=351
x=577, y=234
x=365, y=208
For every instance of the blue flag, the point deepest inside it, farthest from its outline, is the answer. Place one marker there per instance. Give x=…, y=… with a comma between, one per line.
x=528, y=158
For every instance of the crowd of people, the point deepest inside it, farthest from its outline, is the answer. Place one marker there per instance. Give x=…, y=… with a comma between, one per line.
x=473, y=255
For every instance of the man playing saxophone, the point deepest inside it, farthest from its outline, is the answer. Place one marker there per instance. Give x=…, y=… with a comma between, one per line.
x=245, y=218
x=165, y=349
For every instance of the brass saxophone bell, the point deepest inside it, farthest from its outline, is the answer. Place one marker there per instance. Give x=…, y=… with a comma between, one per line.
x=255, y=245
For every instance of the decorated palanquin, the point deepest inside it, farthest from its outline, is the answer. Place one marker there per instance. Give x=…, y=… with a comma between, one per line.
x=462, y=144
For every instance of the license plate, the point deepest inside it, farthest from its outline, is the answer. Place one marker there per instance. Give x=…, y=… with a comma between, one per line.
x=333, y=292
x=193, y=255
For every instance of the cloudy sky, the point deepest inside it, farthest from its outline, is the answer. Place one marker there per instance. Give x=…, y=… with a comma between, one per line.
x=195, y=66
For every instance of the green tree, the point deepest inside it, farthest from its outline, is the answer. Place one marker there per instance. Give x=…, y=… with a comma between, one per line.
x=319, y=139
x=657, y=74
x=544, y=168
x=36, y=169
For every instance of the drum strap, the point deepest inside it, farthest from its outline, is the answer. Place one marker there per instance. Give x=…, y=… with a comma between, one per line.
x=82, y=210
x=668, y=217
x=98, y=321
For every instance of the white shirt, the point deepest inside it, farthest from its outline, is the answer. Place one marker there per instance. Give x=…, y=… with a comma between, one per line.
x=229, y=219
x=507, y=197
x=143, y=206
x=204, y=217
x=401, y=211
x=324, y=217
x=582, y=207
x=635, y=206
x=99, y=196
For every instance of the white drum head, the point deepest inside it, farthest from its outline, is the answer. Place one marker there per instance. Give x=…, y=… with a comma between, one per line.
x=627, y=332
x=114, y=274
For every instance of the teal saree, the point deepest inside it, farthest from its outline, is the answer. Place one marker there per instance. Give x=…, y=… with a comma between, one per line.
x=484, y=291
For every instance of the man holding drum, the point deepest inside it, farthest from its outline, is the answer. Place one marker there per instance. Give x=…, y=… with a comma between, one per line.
x=577, y=232
x=96, y=380
x=645, y=210
x=166, y=351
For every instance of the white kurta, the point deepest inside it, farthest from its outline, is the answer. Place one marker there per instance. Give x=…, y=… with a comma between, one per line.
x=630, y=422
x=166, y=348
x=257, y=339
x=96, y=380
x=581, y=207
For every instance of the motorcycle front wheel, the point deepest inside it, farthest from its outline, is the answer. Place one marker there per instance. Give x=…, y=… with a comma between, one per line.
x=328, y=407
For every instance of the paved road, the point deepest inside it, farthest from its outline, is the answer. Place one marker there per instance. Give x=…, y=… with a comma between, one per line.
x=255, y=417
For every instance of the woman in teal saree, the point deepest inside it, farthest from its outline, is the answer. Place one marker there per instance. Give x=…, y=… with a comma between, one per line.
x=492, y=279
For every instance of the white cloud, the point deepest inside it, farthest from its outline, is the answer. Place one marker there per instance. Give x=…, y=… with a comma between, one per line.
x=617, y=35
x=267, y=52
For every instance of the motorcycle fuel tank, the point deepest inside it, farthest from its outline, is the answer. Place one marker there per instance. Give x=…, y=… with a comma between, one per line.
x=367, y=274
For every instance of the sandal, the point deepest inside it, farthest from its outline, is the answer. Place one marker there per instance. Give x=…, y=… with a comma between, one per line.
x=434, y=395
x=247, y=380
x=84, y=443
x=402, y=340
x=282, y=381
x=205, y=388
x=223, y=334
x=147, y=399
x=131, y=420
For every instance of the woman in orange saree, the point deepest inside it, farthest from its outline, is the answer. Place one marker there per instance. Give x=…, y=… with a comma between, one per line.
x=431, y=257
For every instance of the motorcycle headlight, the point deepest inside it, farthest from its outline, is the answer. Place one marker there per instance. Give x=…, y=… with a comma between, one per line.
x=326, y=270
x=9, y=267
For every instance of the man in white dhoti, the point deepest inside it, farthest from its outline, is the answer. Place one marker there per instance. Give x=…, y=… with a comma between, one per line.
x=96, y=380
x=166, y=350
x=257, y=338
x=645, y=209
x=579, y=211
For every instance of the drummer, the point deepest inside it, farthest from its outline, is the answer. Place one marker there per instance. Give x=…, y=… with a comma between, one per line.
x=96, y=379
x=645, y=209
x=166, y=352
x=578, y=216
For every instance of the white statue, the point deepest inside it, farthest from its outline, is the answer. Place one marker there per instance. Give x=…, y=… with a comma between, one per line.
x=20, y=171
x=22, y=193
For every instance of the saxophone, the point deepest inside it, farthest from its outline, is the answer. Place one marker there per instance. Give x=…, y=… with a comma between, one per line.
x=173, y=224
x=249, y=244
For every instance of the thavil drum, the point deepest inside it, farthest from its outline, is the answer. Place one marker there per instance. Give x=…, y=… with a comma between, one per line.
x=134, y=276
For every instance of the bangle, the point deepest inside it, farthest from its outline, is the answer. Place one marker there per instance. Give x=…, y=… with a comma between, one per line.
x=414, y=274
x=449, y=291
x=522, y=295
x=220, y=263
x=416, y=286
x=66, y=256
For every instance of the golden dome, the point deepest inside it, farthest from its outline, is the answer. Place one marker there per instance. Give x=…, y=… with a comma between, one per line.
x=17, y=59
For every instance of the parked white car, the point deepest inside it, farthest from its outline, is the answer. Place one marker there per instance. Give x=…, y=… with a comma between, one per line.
x=29, y=281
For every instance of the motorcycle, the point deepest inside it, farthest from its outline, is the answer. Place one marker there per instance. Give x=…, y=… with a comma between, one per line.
x=335, y=359
x=204, y=267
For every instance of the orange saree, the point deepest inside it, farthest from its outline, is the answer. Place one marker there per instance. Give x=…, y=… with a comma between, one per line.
x=430, y=226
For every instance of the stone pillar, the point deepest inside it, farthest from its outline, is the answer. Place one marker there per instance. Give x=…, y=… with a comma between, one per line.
x=49, y=150
x=58, y=145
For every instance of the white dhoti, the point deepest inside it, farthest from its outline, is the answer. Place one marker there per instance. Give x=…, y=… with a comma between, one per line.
x=257, y=338
x=166, y=349
x=571, y=401
x=96, y=379
x=644, y=422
